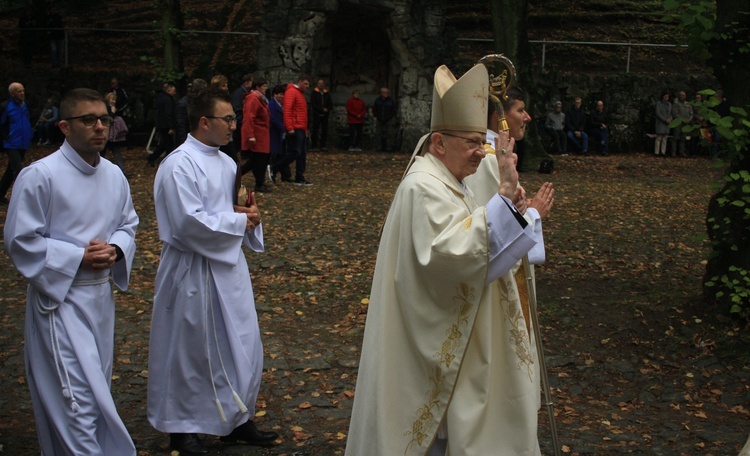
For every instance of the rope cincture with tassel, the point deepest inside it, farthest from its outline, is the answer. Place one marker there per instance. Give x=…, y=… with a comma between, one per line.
x=499, y=83
x=210, y=309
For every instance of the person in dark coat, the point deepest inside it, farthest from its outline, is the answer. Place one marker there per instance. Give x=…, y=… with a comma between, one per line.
x=575, y=124
x=320, y=101
x=165, y=123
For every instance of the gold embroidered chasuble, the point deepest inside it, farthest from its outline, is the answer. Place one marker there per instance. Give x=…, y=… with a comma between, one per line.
x=440, y=344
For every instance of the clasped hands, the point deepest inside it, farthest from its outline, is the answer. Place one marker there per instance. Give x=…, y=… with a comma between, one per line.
x=98, y=256
x=251, y=211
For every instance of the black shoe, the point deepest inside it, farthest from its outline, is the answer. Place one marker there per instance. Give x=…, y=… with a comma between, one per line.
x=263, y=189
x=287, y=180
x=186, y=444
x=251, y=435
x=302, y=182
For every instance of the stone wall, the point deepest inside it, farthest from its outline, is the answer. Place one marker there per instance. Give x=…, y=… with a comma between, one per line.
x=364, y=45
x=368, y=44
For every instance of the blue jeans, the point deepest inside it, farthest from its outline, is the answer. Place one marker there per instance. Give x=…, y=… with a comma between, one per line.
x=577, y=143
x=600, y=136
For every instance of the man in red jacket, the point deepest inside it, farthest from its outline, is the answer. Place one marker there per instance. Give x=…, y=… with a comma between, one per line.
x=295, y=124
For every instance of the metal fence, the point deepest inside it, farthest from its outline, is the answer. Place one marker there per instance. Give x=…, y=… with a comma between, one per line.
x=544, y=44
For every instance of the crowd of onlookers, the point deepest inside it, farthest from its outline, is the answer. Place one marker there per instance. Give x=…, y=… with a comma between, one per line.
x=674, y=140
x=579, y=131
x=577, y=128
x=275, y=125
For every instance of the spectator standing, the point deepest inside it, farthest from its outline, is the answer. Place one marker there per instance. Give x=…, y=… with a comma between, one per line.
x=295, y=123
x=256, y=134
x=118, y=132
x=384, y=111
x=599, y=129
x=47, y=123
x=356, y=111
x=703, y=131
x=320, y=101
x=205, y=353
x=15, y=126
x=70, y=230
x=238, y=98
x=278, y=134
x=231, y=148
x=165, y=122
x=182, y=122
x=681, y=109
x=721, y=109
x=123, y=102
x=575, y=124
x=56, y=35
x=554, y=125
x=663, y=118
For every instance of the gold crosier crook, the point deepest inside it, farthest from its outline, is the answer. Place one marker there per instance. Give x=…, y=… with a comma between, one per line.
x=502, y=75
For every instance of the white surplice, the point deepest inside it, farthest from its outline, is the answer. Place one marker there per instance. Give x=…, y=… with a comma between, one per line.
x=439, y=345
x=205, y=343
x=59, y=204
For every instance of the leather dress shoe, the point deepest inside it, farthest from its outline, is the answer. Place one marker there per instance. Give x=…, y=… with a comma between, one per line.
x=251, y=435
x=186, y=444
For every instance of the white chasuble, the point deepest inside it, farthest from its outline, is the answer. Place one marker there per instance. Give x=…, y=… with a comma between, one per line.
x=59, y=205
x=205, y=343
x=439, y=347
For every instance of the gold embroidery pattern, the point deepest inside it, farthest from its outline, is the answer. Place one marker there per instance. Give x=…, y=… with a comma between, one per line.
x=445, y=356
x=519, y=336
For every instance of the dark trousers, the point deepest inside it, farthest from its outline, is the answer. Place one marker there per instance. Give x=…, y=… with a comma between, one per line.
x=559, y=140
x=520, y=153
x=384, y=132
x=15, y=165
x=229, y=149
x=166, y=145
x=256, y=162
x=116, y=148
x=319, y=124
x=355, y=135
x=294, y=152
x=600, y=139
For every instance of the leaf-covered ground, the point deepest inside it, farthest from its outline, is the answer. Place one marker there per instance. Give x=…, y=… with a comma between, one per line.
x=637, y=363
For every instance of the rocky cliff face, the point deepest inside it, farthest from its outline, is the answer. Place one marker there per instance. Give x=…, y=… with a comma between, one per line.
x=362, y=45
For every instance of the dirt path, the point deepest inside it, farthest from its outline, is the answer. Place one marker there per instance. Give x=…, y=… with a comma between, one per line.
x=638, y=364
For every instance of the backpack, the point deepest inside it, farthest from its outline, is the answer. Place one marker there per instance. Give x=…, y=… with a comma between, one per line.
x=546, y=166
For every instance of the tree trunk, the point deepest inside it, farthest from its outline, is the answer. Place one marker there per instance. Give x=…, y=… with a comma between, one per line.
x=171, y=27
x=727, y=222
x=509, y=31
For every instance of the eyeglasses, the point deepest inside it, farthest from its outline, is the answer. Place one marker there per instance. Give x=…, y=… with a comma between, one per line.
x=475, y=144
x=228, y=119
x=90, y=120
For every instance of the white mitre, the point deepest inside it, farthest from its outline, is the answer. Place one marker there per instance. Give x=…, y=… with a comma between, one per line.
x=458, y=104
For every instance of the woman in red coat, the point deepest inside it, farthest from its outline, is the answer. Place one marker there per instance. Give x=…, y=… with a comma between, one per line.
x=355, y=116
x=256, y=136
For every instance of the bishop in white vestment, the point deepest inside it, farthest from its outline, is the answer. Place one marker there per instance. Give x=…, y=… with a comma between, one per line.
x=446, y=362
